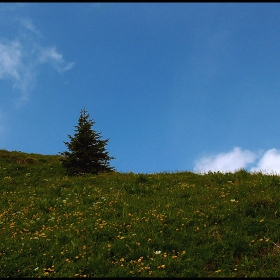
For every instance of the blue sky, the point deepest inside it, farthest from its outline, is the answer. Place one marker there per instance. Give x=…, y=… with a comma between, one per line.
x=175, y=86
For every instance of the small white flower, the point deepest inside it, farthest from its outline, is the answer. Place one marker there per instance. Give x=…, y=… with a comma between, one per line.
x=36, y=268
x=157, y=252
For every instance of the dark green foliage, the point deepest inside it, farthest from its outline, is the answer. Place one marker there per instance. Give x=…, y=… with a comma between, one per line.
x=87, y=152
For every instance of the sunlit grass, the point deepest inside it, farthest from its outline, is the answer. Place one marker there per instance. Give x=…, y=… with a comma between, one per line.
x=135, y=225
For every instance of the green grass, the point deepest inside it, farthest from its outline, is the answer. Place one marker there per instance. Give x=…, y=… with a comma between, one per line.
x=135, y=225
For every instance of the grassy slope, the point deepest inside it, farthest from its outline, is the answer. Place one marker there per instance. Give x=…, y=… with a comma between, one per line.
x=117, y=225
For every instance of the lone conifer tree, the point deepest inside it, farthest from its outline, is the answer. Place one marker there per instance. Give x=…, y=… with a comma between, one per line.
x=87, y=153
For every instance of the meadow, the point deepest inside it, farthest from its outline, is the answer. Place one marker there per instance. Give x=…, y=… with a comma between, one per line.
x=179, y=224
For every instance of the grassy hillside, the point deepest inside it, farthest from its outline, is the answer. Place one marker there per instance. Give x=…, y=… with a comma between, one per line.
x=135, y=225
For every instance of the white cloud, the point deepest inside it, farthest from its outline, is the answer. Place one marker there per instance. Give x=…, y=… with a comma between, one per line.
x=21, y=57
x=10, y=60
x=27, y=23
x=269, y=162
x=51, y=56
x=226, y=162
x=16, y=68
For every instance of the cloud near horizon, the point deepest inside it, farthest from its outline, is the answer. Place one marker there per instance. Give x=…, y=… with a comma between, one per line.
x=21, y=57
x=269, y=162
x=265, y=162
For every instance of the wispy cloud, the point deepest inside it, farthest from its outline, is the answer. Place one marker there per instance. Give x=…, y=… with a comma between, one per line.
x=51, y=56
x=16, y=68
x=28, y=24
x=21, y=57
x=10, y=60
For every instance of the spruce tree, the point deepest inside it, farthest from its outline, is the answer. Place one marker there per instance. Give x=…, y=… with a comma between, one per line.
x=86, y=151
